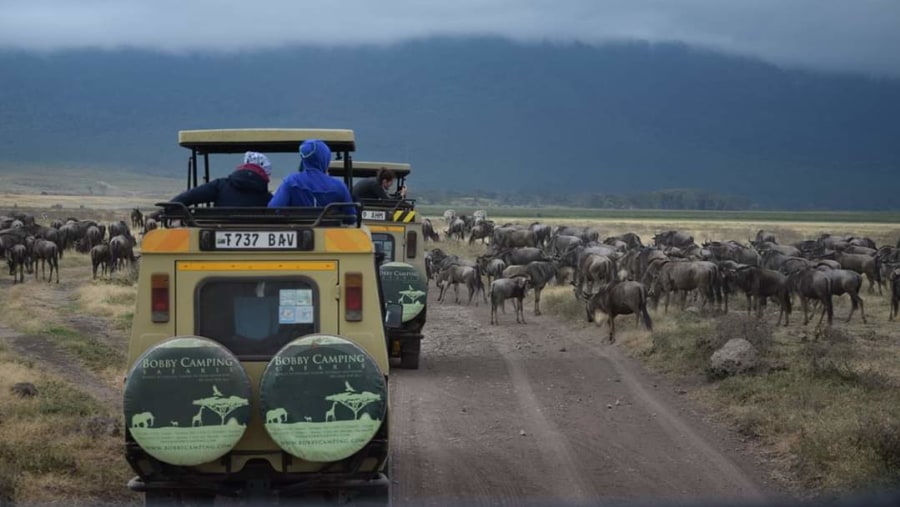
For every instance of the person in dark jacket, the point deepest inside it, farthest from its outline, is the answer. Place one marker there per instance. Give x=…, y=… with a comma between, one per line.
x=248, y=185
x=377, y=187
x=311, y=187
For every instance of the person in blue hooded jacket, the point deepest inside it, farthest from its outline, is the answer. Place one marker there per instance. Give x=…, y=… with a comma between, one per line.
x=311, y=187
x=248, y=185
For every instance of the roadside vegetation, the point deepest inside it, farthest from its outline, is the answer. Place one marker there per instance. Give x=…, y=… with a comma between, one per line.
x=823, y=407
x=63, y=445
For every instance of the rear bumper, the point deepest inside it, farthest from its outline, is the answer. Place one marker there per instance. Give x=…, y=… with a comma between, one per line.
x=317, y=484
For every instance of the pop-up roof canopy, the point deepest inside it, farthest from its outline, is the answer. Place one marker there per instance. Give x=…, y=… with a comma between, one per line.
x=263, y=140
x=368, y=169
x=206, y=142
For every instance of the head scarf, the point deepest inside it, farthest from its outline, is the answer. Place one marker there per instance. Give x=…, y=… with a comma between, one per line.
x=255, y=158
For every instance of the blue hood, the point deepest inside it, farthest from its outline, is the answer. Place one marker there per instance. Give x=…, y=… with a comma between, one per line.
x=315, y=155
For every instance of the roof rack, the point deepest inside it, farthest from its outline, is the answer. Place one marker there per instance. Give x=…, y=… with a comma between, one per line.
x=333, y=215
x=389, y=204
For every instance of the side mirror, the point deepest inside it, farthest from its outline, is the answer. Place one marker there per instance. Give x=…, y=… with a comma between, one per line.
x=393, y=316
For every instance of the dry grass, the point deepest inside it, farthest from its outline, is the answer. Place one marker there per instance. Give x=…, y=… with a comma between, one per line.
x=824, y=406
x=45, y=456
x=113, y=302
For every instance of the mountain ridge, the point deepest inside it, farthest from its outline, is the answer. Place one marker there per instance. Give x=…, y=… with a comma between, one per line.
x=482, y=114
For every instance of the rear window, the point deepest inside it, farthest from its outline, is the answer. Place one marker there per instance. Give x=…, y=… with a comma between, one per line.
x=254, y=318
x=384, y=243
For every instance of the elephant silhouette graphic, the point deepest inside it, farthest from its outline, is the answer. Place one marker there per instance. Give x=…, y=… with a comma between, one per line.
x=142, y=420
x=276, y=415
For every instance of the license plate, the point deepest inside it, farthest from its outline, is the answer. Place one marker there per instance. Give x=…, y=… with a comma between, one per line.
x=373, y=215
x=256, y=240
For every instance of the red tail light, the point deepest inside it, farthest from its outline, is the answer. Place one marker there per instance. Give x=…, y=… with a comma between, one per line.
x=411, y=244
x=353, y=297
x=159, y=297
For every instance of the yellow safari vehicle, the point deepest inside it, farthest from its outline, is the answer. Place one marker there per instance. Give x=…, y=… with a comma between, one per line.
x=397, y=232
x=258, y=363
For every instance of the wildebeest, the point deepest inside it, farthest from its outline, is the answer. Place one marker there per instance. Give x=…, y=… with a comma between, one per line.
x=490, y=267
x=121, y=250
x=667, y=276
x=542, y=233
x=617, y=298
x=844, y=281
x=100, y=259
x=673, y=238
x=539, y=274
x=895, y=292
x=48, y=253
x=508, y=288
x=511, y=237
x=17, y=258
x=809, y=284
x=137, y=218
x=862, y=264
x=428, y=230
x=759, y=284
x=456, y=274
x=482, y=231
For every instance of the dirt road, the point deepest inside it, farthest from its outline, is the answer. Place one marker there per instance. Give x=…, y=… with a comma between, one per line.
x=549, y=412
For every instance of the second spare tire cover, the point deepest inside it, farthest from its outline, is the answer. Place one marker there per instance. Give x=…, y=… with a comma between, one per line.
x=403, y=284
x=322, y=398
x=187, y=401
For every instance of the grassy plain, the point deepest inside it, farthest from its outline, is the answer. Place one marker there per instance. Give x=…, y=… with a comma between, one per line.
x=824, y=406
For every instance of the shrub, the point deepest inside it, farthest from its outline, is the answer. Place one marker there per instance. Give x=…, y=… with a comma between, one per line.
x=881, y=434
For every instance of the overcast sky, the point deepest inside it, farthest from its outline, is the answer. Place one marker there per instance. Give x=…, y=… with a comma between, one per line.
x=844, y=35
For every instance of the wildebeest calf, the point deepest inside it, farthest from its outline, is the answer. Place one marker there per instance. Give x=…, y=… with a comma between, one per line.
x=508, y=288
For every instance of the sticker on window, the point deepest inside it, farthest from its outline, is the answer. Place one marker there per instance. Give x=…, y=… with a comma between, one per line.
x=295, y=297
x=295, y=315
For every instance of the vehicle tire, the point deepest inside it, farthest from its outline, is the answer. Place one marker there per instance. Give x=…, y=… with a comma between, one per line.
x=409, y=355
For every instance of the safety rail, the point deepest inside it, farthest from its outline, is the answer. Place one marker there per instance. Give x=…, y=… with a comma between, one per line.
x=332, y=215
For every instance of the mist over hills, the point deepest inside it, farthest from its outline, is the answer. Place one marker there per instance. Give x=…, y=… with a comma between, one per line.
x=482, y=115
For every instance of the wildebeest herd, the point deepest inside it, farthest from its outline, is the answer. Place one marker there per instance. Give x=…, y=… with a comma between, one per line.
x=24, y=242
x=619, y=275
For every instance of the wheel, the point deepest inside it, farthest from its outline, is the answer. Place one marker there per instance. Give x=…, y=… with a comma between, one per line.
x=409, y=355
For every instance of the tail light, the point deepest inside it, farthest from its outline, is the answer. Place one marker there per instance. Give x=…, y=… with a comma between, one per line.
x=412, y=240
x=159, y=297
x=353, y=297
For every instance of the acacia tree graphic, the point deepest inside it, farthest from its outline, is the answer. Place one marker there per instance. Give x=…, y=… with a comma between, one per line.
x=221, y=405
x=354, y=401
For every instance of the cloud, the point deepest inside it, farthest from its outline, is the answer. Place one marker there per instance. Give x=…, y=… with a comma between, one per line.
x=856, y=36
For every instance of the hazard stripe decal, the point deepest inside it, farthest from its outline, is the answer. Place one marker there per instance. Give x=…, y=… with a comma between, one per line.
x=404, y=216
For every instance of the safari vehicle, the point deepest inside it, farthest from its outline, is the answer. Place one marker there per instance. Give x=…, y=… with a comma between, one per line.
x=258, y=357
x=397, y=232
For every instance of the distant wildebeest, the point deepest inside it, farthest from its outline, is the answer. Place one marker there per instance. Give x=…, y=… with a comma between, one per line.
x=482, y=231
x=617, y=298
x=100, y=259
x=17, y=258
x=542, y=234
x=895, y=292
x=137, y=219
x=47, y=252
x=509, y=288
x=428, y=231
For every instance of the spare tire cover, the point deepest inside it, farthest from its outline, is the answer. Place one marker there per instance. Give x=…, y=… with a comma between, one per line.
x=187, y=401
x=403, y=284
x=322, y=398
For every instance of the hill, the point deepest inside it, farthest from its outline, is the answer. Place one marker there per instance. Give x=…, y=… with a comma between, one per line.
x=483, y=115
